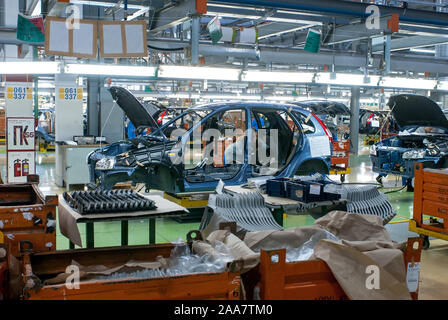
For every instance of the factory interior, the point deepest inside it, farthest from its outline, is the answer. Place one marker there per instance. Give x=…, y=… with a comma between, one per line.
x=223, y=150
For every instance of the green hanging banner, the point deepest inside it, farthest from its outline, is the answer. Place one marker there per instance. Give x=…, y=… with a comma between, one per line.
x=215, y=30
x=30, y=29
x=312, y=43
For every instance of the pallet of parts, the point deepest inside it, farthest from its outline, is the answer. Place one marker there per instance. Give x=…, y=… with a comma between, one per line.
x=276, y=279
x=44, y=265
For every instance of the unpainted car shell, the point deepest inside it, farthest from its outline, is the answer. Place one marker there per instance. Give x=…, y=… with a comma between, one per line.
x=161, y=174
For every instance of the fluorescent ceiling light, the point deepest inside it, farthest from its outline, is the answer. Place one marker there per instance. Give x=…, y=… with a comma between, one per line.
x=406, y=83
x=110, y=70
x=231, y=97
x=286, y=77
x=198, y=73
x=443, y=85
x=184, y=95
x=346, y=79
x=421, y=50
x=31, y=67
x=282, y=98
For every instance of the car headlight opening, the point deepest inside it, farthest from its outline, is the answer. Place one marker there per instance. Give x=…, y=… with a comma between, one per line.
x=414, y=154
x=106, y=163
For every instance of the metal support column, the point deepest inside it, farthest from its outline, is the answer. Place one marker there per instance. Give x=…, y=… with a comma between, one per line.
x=152, y=230
x=36, y=83
x=354, y=120
x=387, y=54
x=93, y=106
x=195, y=31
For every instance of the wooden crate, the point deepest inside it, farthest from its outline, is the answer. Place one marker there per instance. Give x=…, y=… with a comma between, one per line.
x=222, y=285
x=431, y=198
x=27, y=215
x=303, y=280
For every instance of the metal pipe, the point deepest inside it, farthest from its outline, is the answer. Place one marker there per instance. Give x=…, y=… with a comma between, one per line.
x=244, y=53
x=387, y=54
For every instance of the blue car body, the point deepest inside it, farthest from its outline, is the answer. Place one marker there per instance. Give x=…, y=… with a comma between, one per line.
x=146, y=159
x=423, y=138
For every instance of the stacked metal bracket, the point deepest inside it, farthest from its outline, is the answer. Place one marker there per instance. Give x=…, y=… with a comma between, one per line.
x=107, y=201
x=368, y=200
x=248, y=210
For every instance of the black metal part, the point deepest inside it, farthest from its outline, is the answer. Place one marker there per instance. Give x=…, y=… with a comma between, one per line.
x=107, y=201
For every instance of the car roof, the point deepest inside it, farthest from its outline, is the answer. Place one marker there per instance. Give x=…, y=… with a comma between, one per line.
x=219, y=105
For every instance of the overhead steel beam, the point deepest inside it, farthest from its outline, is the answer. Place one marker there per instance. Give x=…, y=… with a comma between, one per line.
x=31, y=5
x=308, y=18
x=343, y=8
x=277, y=16
x=292, y=39
x=278, y=28
x=411, y=42
x=358, y=30
x=397, y=63
x=269, y=55
x=54, y=8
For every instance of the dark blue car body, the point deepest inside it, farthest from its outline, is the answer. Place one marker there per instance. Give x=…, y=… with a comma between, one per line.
x=423, y=138
x=147, y=158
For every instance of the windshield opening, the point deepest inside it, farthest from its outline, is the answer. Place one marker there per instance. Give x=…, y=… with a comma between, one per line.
x=184, y=121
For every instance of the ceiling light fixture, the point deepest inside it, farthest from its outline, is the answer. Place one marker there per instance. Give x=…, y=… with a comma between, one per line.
x=110, y=70
x=32, y=67
x=272, y=76
x=407, y=83
x=198, y=73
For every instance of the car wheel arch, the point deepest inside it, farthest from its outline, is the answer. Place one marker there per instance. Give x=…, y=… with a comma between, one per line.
x=312, y=165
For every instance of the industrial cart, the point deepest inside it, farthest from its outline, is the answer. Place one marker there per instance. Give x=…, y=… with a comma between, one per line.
x=340, y=158
x=305, y=280
x=26, y=214
x=3, y=269
x=194, y=202
x=370, y=140
x=430, y=199
x=44, y=265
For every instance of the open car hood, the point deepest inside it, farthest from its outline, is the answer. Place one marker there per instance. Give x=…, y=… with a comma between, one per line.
x=326, y=107
x=133, y=109
x=416, y=110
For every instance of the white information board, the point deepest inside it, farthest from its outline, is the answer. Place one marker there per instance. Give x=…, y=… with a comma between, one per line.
x=63, y=40
x=19, y=99
x=69, y=120
x=319, y=146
